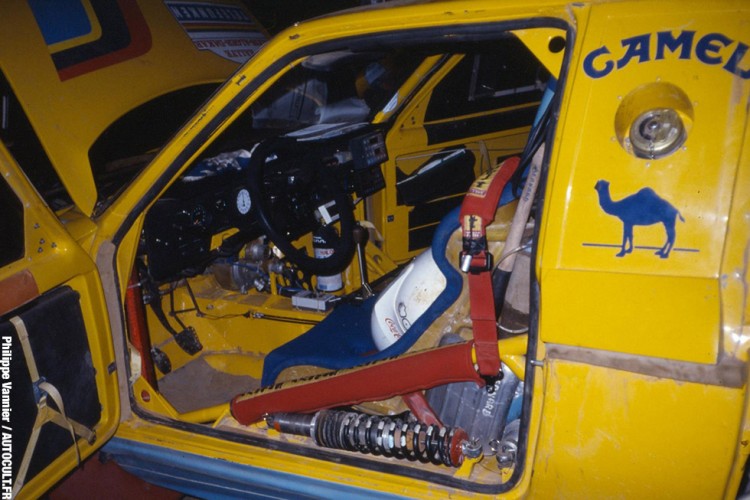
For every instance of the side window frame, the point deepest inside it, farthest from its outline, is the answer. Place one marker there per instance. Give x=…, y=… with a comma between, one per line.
x=460, y=89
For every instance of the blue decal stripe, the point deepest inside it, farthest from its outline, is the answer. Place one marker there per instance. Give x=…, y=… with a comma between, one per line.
x=206, y=477
x=115, y=36
x=60, y=20
x=639, y=247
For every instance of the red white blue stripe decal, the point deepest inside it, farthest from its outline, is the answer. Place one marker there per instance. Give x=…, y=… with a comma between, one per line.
x=87, y=35
x=227, y=30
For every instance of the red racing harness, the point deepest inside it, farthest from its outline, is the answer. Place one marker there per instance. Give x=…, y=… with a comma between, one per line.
x=478, y=211
x=416, y=371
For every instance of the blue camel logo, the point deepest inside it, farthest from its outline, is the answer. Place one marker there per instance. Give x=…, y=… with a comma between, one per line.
x=643, y=208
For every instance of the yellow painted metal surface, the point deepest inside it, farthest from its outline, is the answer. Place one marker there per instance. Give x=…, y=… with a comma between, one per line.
x=68, y=115
x=736, y=297
x=634, y=314
x=608, y=433
x=55, y=259
x=735, y=268
x=597, y=431
x=602, y=427
x=629, y=303
x=591, y=431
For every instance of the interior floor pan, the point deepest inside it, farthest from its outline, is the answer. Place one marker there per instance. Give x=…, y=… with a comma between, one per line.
x=198, y=385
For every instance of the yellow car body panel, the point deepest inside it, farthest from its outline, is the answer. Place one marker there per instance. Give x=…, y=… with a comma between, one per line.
x=52, y=261
x=694, y=275
x=158, y=56
x=635, y=373
x=610, y=423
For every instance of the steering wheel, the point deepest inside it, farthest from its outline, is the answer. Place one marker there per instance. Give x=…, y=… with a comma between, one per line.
x=287, y=199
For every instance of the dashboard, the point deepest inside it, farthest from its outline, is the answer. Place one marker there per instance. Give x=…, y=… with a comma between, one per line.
x=215, y=196
x=179, y=228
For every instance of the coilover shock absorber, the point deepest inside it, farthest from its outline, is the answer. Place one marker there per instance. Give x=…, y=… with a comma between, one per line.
x=380, y=435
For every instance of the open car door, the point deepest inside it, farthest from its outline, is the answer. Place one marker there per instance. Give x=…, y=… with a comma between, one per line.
x=59, y=398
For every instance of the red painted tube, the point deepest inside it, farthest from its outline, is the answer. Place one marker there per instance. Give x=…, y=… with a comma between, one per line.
x=135, y=314
x=418, y=405
x=372, y=382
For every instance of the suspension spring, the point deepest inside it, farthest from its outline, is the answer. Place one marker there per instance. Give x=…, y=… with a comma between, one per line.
x=380, y=435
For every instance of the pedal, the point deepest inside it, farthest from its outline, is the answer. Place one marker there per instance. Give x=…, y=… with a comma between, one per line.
x=188, y=341
x=161, y=360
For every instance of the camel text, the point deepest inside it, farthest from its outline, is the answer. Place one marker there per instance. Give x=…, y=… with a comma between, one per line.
x=712, y=49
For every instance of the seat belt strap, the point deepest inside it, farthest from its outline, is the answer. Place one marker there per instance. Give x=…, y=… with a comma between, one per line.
x=45, y=413
x=477, y=212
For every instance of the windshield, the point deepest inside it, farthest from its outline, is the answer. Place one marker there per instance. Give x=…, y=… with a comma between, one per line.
x=333, y=88
x=325, y=90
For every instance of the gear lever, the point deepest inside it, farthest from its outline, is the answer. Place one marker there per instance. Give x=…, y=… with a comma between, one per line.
x=361, y=236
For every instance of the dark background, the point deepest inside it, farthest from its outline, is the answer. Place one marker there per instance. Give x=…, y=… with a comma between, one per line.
x=276, y=15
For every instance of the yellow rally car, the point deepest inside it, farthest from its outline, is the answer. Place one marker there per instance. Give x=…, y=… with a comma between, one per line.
x=423, y=249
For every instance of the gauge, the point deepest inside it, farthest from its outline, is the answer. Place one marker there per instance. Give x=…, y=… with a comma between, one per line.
x=243, y=201
x=199, y=216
